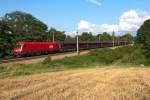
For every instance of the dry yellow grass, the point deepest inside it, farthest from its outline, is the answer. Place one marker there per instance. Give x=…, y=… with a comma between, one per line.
x=89, y=84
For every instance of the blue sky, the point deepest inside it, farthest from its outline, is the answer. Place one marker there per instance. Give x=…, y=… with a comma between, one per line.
x=68, y=15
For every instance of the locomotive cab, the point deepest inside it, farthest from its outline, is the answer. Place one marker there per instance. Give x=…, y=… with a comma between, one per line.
x=18, y=49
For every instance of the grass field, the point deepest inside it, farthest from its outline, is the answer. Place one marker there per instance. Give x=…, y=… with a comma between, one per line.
x=86, y=84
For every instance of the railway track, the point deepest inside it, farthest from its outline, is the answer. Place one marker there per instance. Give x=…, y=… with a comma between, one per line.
x=11, y=60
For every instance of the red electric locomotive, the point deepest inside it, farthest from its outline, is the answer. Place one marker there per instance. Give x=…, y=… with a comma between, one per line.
x=35, y=48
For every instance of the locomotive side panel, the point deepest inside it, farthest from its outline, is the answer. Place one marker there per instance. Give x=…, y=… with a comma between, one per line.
x=35, y=48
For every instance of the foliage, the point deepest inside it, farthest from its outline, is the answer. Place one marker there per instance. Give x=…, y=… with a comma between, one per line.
x=6, y=39
x=85, y=36
x=25, y=27
x=104, y=37
x=133, y=55
x=105, y=56
x=82, y=61
x=69, y=38
x=143, y=37
x=47, y=60
x=58, y=35
x=126, y=37
x=128, y=54
x=107, y=37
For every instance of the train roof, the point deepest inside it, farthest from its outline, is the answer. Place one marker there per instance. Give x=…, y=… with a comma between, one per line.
x=36, y=42
x=72, y=42
x=67, y=42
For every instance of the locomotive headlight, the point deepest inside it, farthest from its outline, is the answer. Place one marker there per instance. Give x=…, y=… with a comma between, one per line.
x=18, y=50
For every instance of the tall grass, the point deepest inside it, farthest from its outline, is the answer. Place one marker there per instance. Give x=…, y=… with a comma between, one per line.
x=131, y=55
x=125, y=55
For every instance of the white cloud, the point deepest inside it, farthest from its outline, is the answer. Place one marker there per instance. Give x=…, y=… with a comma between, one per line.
x=96, y=2
x=83, y=25
x=128, y=21
x=89, y=27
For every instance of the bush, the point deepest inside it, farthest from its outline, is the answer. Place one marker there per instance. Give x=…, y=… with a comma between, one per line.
x=127, y=54
x=135, y=57
x=105, y=56
x=75, y=61
x=47, y=60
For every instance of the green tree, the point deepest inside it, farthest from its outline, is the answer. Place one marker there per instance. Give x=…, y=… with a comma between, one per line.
x=6, y=39
x=25, y=27
x=143, y=37
x=86, y=36
x=69, y=38
x=104, y=37
x=126, y=37
x=58, y=35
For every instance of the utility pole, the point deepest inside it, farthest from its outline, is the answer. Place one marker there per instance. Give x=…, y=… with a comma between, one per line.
x=53, y=36
x=113, y=34
x=100, y=39
x=77, y=43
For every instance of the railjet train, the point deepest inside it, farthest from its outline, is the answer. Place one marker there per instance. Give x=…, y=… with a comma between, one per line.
x=38, y=48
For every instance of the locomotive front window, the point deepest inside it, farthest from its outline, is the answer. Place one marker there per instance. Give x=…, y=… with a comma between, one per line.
x=18, y=46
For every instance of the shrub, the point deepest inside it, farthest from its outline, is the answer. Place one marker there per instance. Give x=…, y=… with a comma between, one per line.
x=135, y=57
x=127, y=54
x=105, y=56
x=47, y=60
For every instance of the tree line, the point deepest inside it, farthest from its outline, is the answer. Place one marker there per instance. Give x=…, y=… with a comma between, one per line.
x=143, y=38
x=20, y=26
